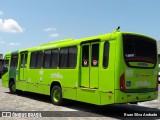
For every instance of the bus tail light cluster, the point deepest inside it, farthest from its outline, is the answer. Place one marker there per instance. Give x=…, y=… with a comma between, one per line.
x=122, y=83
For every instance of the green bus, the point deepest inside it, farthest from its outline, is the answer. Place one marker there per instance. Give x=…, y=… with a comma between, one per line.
x=118, y=67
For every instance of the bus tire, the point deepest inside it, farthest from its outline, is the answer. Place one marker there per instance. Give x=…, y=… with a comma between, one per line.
x=56, y=95
x=12, y=87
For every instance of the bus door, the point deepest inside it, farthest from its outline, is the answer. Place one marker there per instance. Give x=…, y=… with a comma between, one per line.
x=21, y=84
x=89, y=65
x=13, y=66
x=5, y=74
x=23, y=66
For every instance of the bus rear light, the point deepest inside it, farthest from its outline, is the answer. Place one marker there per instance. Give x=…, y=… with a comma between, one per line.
x=122, y=83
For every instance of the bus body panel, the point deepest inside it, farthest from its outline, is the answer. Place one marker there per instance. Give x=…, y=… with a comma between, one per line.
x=91, y=81
x=107, y=75
x=88, y=95
x=134, y=97
x=69, y=82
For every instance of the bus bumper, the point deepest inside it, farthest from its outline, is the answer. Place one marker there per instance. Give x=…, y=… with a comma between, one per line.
x=121, y=97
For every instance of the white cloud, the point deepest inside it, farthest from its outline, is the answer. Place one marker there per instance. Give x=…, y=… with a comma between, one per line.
x=1, y=12
x=50, y=29
x=10, y=26
x=13, y=44
x=54, y=35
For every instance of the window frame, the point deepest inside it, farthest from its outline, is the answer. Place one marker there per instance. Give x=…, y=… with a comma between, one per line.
x=37, y=60
x=84, y=58
x=31, y=67
x=139, y=41
x=67, y=66
x=44, y=59
x=108, y=49
x=57, y=65
x=92, y=55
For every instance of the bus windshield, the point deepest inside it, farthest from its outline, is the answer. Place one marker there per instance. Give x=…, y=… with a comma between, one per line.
x=139, y=49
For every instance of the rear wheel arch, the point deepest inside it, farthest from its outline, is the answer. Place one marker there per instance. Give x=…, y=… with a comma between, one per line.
x=56, y=93
x=54, y=83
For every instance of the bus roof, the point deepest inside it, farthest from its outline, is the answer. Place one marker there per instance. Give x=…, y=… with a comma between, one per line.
x=67, y=42
x=72, y=42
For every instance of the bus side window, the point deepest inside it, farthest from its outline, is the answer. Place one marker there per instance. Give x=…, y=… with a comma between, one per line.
x=95, y=54
x=72, y=57
x=39, y=59
x=54, y=58
x=68, y=57
x=33, y=60
x=63, y=58
x=25, y=60
x=106, y=54
x=85, y=55
x=22, y=56
x=47, y=59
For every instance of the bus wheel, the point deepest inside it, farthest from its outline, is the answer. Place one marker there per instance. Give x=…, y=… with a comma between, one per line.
x=56, y=95
x=12, y=87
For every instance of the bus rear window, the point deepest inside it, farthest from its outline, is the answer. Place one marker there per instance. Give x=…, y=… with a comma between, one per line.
x=139, y=49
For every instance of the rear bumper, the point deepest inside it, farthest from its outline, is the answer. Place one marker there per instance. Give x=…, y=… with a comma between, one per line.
x=121, y=97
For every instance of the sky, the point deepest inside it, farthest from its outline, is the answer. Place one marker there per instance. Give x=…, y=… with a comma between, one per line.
x=29, y=23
